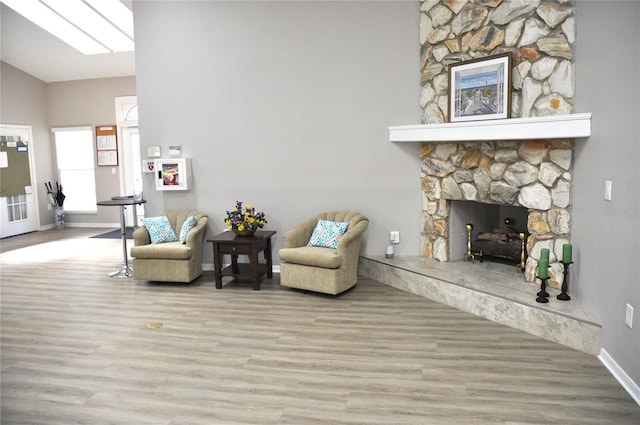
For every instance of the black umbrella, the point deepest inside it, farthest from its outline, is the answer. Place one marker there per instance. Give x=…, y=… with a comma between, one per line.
x=55, y=197
x=59, y=195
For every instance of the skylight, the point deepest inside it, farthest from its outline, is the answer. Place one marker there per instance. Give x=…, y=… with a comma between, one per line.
x=90, y=26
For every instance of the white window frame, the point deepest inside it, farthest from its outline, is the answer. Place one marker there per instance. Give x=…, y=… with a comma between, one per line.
x=87, y=164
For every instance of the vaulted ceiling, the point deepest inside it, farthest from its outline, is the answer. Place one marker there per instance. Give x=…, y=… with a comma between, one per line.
x=31, y=49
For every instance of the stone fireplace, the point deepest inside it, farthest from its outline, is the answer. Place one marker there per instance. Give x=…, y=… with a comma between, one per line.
x=518, y=162
x=534, y=174
x=522, y=162
x=492, y=163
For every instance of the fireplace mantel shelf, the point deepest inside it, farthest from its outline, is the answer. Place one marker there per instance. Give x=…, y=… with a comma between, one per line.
x=548, y=127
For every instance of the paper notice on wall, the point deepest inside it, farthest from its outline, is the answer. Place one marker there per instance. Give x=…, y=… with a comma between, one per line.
x=111, y=142
x=175, y=150
x=4, y=160
x=106, y=143
x=107, y=157
x=102, y=143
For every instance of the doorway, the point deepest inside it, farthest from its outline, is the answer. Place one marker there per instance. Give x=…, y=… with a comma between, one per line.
x=17, y=176
x=131, y=169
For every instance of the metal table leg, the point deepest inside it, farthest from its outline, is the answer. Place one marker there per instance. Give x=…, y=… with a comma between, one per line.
x=126, y=271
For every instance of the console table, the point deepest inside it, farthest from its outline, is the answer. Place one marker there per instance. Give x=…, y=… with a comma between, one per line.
x=126, y=271
x=231, y=244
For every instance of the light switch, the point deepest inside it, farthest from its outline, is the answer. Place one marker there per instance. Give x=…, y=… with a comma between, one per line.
x=607, y=190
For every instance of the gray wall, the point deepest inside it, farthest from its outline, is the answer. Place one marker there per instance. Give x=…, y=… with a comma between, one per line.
x=606, y=234
x=23, y=102
x=29, y=101
x=285, y=105
x=90, y=103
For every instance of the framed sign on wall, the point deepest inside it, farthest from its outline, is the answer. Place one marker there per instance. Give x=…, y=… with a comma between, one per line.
x=107, y=145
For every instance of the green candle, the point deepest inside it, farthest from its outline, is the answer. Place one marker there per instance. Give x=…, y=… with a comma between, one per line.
x=543, y=269
x=566, y=253
x=544, y=255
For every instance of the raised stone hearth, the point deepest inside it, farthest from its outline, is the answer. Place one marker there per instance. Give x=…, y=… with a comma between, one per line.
x=490, y=290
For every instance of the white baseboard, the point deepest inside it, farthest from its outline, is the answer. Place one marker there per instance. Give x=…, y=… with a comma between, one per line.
x=621, y=376
x=97, y=225
x=92, y=225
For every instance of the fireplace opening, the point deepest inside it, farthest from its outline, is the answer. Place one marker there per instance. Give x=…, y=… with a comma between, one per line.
x=498, y=232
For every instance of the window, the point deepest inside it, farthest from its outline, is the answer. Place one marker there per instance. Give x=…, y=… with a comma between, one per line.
x=74, y=153
x=127, y=111
x=16, y=208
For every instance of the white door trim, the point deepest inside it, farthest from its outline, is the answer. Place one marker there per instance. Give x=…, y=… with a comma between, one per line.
x=20, y=130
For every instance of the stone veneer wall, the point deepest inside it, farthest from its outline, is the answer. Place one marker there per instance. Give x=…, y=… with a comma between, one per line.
x=533, y=174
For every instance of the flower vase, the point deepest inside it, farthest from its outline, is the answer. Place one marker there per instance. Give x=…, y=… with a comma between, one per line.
x=246, y=232
x=59, y=217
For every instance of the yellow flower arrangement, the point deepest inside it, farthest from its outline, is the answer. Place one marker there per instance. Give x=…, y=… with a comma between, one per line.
x=245, y=218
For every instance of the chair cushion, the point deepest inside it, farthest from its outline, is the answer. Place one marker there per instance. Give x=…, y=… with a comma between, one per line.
x=327, y=233
x=188, y=224
x=159, y=229
x=327, y=258
x=165, y=251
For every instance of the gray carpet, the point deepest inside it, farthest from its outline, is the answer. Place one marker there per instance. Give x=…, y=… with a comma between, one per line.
x=115, y=234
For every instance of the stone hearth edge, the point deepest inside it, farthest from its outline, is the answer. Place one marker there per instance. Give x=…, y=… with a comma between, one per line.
x=492, y=294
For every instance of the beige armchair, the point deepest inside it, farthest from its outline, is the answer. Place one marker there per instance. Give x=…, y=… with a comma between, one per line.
x=326, y=270
x=170, y=261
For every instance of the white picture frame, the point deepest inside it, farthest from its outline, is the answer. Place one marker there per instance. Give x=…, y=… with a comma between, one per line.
x=480, y=89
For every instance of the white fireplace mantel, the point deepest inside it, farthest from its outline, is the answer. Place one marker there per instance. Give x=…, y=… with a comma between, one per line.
x=547, y=127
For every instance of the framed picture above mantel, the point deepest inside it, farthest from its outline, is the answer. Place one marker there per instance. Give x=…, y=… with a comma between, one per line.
x=480, y=89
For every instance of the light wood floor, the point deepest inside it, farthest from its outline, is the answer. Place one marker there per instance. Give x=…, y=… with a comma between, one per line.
x=76, y=350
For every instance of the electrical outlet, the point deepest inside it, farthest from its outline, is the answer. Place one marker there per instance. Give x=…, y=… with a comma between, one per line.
x=607, y=190
x=628, y=317
x=394, y=236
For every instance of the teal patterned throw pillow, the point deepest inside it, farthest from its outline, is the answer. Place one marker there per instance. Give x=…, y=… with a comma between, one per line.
x=327, y=233
x=188, y=224
x=159, y=229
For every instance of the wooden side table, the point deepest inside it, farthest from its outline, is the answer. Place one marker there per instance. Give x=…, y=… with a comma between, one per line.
x=231, y=244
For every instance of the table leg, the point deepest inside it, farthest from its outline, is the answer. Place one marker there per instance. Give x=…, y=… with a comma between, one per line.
x=126, y=271
x=255, y=268
x=268, y=258
x=135, y=217
x=234, y=263
x=217, y=265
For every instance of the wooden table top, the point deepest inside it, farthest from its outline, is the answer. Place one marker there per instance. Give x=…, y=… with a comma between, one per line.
x=229, y=236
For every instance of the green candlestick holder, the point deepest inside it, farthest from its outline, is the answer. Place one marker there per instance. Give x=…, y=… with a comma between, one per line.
x=563, y=296
x=543, y=295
